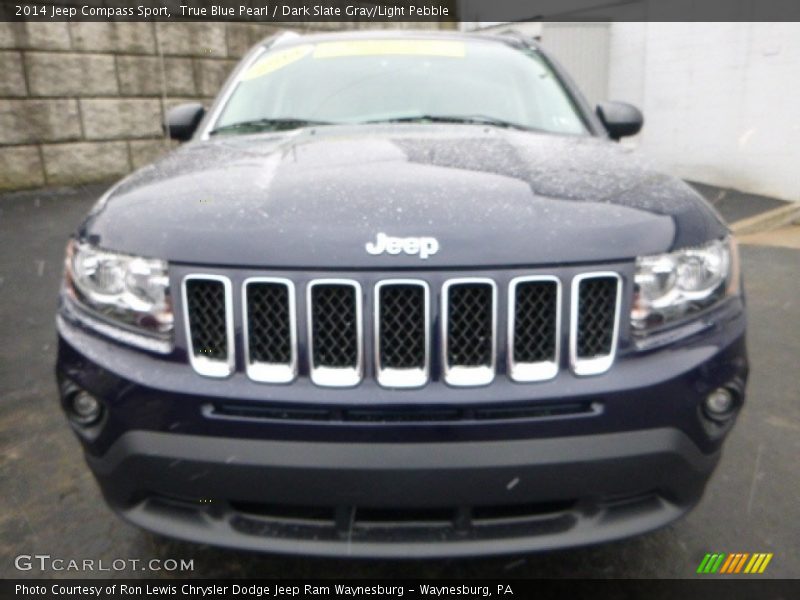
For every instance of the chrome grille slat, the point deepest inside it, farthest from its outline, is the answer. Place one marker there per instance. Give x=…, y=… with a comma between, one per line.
x=469, y=331
x=594, y=327
x=534, y=326
x=402, y=332
x=269, y=329
x=335, y=337
x=208, y=318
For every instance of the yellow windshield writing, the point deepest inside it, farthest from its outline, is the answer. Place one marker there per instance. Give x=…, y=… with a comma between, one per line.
x=276, y=60
x=448, y=48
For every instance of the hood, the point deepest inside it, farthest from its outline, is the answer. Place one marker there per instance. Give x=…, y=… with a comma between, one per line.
x=313, y=198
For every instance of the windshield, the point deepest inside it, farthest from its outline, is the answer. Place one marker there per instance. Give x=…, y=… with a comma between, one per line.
x=358, y=81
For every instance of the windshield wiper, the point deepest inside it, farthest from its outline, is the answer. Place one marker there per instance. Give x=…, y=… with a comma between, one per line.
x=469, y=119
x=277, y=124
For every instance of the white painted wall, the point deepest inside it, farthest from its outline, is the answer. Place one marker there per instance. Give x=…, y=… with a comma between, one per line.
x=581, y=48
x=721, y=100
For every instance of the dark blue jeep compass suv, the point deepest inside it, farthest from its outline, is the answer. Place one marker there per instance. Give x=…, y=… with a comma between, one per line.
x=401, y=295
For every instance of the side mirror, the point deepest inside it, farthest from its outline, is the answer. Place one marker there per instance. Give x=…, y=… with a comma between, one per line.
x=620, y=119
x=182, y=120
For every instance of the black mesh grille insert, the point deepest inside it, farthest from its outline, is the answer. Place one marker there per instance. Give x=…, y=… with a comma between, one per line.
x=402, y=326
x=335, y=327
x=469, y=325
x=596, y=307
x=205, y=300
x=535, y=321
x=268, y=323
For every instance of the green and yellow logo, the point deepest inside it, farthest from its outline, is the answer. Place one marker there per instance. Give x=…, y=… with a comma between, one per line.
x=738, y=562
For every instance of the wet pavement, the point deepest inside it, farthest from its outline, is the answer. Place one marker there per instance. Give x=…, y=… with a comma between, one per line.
x=735, y=205
x=51, y=504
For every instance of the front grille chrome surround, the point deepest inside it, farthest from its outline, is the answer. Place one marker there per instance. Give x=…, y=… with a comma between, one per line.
x=270, y=372
x=410, y=377
x=459, y=375
x=336, y=376
x=597, y=364
x=210, y=367
x=522, y=371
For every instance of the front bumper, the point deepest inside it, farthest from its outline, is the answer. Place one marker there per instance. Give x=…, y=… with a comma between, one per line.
x=635, y=453
x=400, y=500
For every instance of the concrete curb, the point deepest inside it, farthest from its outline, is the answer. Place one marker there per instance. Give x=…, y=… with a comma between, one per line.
x=772, y=219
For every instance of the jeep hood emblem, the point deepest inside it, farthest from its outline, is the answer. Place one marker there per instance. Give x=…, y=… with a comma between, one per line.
x=424, y=246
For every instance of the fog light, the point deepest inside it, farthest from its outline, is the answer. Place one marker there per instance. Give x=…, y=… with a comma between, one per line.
x=719, y=403
x=86, y=409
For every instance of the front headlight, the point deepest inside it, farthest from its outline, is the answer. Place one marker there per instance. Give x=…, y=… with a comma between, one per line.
x=127, y=290
x=670, y=286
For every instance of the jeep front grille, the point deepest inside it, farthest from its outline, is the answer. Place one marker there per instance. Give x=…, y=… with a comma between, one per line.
x=334, y=332
x=270, y=338
x=534, y=328
x=402, y=330
x=469, y=331
x=403, y=313
x=595, y=322
x=209, y=324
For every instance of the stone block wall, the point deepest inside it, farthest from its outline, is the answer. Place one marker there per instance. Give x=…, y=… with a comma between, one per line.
x=84, y=101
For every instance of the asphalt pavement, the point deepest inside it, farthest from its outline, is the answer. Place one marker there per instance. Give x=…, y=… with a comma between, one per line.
x=735, y=205
x=51, y=504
